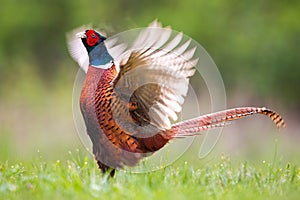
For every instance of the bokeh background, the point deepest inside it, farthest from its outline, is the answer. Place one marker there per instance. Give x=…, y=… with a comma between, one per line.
x=255, y=45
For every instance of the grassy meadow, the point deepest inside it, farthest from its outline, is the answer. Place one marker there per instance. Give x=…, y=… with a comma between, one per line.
x=78, y=178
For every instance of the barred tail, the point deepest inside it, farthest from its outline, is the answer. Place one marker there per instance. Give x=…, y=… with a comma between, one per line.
x=219, y=119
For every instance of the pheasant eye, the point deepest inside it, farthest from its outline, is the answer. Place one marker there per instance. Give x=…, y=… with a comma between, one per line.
x=92, y=37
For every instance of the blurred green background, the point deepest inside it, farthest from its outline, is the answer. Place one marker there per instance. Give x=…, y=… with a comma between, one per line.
x=254, y=44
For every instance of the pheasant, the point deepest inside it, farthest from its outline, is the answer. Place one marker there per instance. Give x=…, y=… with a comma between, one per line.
x=128, y=98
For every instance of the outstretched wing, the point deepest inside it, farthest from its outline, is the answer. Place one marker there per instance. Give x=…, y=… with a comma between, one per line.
x=154, y=76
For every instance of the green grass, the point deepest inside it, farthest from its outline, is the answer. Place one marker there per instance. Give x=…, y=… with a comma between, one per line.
x=78, y=178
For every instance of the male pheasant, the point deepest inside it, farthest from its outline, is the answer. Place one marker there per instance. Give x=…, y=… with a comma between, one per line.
x=127, y=102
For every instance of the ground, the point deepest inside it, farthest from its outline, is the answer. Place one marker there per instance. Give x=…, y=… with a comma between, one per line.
x=78, y=178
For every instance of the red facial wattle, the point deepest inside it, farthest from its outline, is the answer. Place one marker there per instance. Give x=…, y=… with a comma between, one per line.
x=92, y=37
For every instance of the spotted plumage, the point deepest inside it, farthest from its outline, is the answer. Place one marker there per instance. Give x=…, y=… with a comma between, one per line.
x=130, y=94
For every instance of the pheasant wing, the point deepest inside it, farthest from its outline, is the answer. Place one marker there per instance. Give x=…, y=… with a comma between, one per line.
x=154, y=76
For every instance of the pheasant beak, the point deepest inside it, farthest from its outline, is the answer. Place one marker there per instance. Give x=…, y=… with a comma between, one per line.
x=81, y=35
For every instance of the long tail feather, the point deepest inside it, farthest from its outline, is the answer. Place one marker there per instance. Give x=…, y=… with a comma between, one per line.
x=219, y=119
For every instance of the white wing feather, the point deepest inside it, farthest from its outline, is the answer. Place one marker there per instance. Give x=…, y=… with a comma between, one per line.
x=169, y=63
x=77, y=49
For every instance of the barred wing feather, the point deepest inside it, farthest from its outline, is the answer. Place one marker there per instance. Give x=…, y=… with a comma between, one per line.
x=154, y=73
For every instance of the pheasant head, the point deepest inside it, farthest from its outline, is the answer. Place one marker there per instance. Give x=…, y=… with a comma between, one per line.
x=95, y=47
